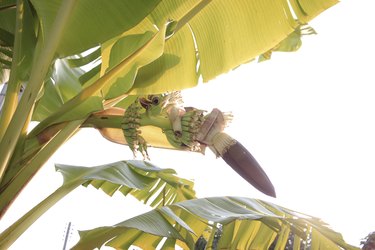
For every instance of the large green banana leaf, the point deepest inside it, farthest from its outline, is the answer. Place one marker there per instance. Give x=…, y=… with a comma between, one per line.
x=143, y=180
x=146, y=182
x=223, y=222
x=241, y=30
x=223, y=35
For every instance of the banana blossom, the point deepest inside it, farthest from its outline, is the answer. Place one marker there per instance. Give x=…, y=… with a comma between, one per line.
x=162, y=121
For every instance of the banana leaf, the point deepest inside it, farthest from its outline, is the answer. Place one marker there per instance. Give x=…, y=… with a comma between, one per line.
x=146, y=182
x=143, y=180
x=241, y=30
x=226, y=222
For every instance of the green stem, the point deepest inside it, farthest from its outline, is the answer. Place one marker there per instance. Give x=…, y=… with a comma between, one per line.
x=37, y=75
x=192, y=13
x=11, y=97
x=11, y=234
x=104, y=121
x=21, y=154
x=24, y=175
x=157, y=121
x=115, y=121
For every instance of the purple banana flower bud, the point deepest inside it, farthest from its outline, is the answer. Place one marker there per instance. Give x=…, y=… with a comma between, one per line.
x=241, y=161
x=233, y=152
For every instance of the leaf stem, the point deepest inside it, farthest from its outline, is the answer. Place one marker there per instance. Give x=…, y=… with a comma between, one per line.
x=103, y=121
x=37, y=75
x=11, y=97
x=157, y=121
x=20, y=154
x=17, y=183
x=192, y=13
x=11, y=234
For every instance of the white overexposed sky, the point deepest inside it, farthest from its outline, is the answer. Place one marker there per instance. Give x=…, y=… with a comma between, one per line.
x=307, y=117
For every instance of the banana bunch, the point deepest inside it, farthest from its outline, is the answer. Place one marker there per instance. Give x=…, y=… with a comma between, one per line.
x=162, y=121
x=184, y=136
x=179, y=125
x=130, y=127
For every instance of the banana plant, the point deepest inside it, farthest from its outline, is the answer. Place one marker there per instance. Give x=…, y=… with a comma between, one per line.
x=73, y=64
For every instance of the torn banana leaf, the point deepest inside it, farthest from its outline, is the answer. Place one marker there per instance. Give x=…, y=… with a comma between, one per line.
x=227, y=222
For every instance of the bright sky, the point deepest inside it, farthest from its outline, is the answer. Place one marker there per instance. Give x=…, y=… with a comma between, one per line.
x=307, y=117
